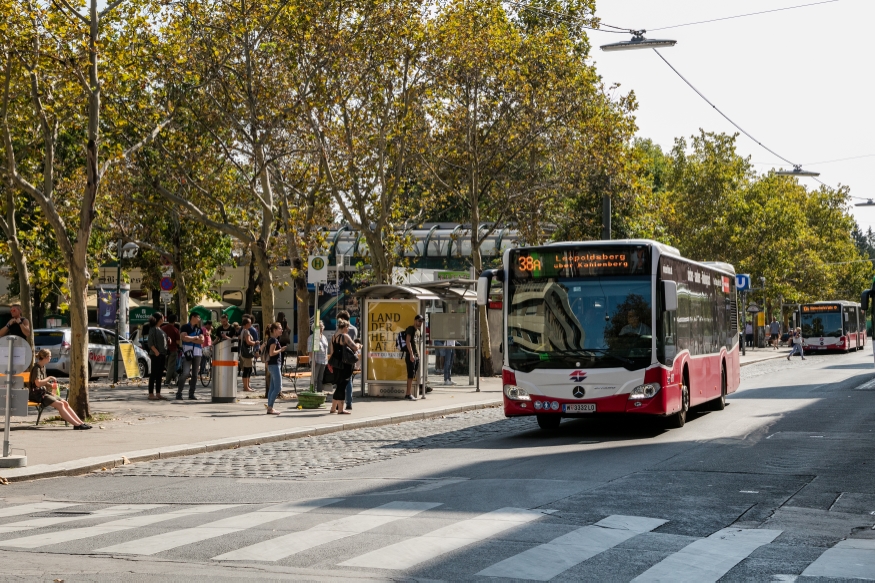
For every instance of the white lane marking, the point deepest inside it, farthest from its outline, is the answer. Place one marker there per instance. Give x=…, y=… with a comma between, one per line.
x=53, y=520
x=710, y=558
x=170, y=540
x=295, y=542
x=63, y=536
x=543, y=562
x=411, y=552
x=29, y=508
x=849, y=559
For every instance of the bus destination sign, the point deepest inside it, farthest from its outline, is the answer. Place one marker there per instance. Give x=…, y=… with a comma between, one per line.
x=821, y=309
x=545, y=262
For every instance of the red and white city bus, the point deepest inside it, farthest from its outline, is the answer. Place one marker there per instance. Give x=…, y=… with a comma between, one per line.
x=626, y=326
x=832, y=325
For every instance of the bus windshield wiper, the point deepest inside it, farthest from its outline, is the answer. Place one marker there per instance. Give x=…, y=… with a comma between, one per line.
x=595, y=352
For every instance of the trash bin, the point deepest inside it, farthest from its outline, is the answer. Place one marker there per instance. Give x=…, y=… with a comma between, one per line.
x=225, y=371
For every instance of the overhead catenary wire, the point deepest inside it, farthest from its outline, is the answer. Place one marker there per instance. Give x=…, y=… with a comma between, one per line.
x=717, y=109
x=743, y=15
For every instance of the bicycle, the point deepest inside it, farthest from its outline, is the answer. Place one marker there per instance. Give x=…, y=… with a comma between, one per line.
x=206, y=371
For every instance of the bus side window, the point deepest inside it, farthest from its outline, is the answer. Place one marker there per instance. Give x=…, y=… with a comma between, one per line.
x=669, y=337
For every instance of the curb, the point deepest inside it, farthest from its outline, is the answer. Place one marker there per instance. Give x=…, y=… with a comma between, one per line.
x=773, y=357
x=88, y=465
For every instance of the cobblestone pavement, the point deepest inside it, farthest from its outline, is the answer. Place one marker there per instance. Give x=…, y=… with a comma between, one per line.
x=299, y=458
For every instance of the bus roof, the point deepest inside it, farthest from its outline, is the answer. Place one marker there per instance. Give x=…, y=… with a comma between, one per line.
x=832, y=302
x=662, y=247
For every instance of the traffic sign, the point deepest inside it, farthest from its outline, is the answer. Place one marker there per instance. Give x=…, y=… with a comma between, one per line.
x=166, y=283
x=166, y=297
x=317, y=271
x=742, y=282
x=15, y=355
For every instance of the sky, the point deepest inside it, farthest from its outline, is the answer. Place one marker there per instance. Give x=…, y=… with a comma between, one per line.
x=800, y=81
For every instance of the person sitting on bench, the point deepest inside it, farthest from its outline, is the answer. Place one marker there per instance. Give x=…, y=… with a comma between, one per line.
x=38, y=391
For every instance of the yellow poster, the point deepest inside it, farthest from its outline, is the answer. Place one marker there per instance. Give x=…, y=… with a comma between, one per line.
x=129, y=357
x=761, y=319
x=386, y=318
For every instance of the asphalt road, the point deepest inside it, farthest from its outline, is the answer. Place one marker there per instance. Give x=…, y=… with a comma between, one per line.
x=777, y=487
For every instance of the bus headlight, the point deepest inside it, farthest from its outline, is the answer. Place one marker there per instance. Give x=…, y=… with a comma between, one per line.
x=516, y=393
x=645, y=391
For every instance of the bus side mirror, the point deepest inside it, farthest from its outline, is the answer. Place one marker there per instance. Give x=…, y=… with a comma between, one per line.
x=864, y=301
x=670, y=291
x=484, y=283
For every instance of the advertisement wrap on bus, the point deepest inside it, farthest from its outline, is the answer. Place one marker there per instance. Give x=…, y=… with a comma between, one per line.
x=614, y=327
x=832, y=326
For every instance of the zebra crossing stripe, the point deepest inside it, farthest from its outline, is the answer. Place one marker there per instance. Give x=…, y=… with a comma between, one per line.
x=170, y=540
x=708, y=559
x=849, y=559
x=543, y=562
x=284, y=546
x=63, y=536
x=29, y=508
x=53, y=520
x=411, y=552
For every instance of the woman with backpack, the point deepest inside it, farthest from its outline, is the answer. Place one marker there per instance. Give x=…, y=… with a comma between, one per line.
x=342, y=368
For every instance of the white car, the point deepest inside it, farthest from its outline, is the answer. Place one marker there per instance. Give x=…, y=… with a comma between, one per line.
x=101, y=347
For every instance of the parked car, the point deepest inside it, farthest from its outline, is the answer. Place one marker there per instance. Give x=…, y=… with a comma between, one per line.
x=101, y=347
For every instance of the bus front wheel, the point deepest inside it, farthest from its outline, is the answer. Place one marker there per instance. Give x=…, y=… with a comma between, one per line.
x=549, y=422
x=678, y=420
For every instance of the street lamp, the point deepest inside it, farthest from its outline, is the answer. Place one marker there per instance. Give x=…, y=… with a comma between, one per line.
x=798, y=172
x=869, y=202
x=638, y=42
x=126, y=250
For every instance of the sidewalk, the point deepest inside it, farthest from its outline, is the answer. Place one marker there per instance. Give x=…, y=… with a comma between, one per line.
x=136, y=429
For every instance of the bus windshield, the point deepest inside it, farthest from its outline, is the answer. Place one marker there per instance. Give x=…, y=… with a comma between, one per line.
x=571, y=322
x=823, y=324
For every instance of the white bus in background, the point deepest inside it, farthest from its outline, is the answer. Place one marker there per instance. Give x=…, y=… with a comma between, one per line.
x=625, y=326
x=836, y=325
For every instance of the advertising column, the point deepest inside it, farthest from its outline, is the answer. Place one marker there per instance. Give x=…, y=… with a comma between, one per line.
x=385, y=362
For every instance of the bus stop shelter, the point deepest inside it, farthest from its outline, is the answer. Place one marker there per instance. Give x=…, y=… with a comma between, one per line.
x=449, y=309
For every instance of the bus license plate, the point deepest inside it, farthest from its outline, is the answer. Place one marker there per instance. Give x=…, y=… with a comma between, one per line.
x=579, y=408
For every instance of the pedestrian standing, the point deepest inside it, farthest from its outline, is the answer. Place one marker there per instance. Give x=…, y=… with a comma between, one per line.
x=796, y=338
x=449, y=354
x=17, y=324
x=157, y=345
x=411, y=354
x=224, y=331
x=248, y=348
x=342, y=370
x=192, y=340
x=774, y=333
x=748, y=334
x=353, y=332
x=172, y=363
x=273, y=350
x=318, y=359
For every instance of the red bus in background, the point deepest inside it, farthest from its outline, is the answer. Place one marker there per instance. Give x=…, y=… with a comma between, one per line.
x=627, y=326
x=832, y=325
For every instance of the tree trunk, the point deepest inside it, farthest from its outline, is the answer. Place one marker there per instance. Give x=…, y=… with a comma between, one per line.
x=302, y=294
x=486, y=365
x=78, y=396
x=267, y=296
x=181, y=293
x=251, y=282
x=24, y=292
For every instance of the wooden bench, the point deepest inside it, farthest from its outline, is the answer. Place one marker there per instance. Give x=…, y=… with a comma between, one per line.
x=297, y=373
x=39, y=406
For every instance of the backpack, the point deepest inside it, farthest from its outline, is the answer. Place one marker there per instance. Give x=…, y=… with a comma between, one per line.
x=401, y=343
